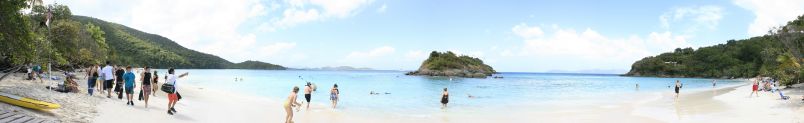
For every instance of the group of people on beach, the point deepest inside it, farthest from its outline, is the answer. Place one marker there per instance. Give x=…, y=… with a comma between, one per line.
x=308, y=95
x=122, y=80
x=333, y=96
x=765, y=84
x=34, y=72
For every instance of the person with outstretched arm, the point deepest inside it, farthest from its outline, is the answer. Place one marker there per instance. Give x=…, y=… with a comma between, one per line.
x=172, y=97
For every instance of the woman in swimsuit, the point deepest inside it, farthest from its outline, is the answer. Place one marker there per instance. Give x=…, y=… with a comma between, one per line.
x=291, y=103
x=444, y=98
x=146, y=85
x=333, y=95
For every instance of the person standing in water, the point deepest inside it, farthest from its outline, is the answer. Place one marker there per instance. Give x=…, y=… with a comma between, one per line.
x=129, y=77
x=146, y=84
x=290, y=103
x=678, y=86
x=714, y=83
x=308, y=90
x=333, y=95
x=172, y=97
x=444, y=98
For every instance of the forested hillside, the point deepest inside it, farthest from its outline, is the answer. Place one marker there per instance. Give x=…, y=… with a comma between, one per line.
x=777, y=54
x=72, y=41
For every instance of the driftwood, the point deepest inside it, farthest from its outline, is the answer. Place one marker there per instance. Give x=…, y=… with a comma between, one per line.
x=8, y=72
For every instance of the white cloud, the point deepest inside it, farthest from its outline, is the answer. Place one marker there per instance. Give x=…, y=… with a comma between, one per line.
x=209, y=26
x=588, y=47
x=376, y=52
x=382, y=8
x=304, y=11
x=416, y=55
x=770, y=13
x=707, y=17
x=367, y=58
x=523, y=30
x=275, y=48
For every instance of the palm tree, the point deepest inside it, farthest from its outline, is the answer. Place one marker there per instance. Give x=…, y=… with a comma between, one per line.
x=788, y=61
x=788, y=69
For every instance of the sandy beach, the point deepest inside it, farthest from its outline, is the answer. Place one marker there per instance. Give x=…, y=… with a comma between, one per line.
x=199, y=104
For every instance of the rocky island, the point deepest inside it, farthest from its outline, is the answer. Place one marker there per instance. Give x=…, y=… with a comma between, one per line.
x=449, y=64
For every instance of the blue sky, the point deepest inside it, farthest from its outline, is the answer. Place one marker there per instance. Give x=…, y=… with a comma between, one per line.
x=521, y=36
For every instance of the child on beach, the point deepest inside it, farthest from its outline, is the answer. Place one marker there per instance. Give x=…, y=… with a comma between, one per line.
x=444, y=98
x=754, y=88
x=333, y=95
x=291, y=103
x=129, y=85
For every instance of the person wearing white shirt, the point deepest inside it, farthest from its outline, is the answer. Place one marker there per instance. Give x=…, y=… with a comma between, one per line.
x=108, y=77
x=172, y=97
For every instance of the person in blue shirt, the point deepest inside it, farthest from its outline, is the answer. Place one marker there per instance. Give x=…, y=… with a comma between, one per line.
x=128, y=77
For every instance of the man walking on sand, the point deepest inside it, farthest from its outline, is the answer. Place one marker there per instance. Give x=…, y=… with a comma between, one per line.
x=108, y=77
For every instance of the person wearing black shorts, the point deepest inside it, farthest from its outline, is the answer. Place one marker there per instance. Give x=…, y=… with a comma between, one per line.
x=308, y=94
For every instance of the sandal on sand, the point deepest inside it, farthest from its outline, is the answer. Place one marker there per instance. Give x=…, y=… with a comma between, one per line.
x=170, y=113
x=173, y=109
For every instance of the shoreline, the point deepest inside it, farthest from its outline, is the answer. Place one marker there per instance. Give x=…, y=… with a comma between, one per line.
x=201, y=104
x=726, y=104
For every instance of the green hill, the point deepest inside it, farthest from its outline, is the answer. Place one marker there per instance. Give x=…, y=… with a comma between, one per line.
x=448, y=64
x=73, y=41
x=777, y=54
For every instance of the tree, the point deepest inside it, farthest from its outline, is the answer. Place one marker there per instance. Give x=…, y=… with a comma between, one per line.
x=16, y=38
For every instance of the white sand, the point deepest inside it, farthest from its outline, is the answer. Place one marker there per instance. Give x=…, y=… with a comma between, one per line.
x=729, y=104
x=200, y=105
x=75, y=107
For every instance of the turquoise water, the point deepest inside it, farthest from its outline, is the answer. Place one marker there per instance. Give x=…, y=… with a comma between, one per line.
x=411, y=95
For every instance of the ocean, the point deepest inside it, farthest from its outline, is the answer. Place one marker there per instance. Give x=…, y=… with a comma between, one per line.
x=419, y=96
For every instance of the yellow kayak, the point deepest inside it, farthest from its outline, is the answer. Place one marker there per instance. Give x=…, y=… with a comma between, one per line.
x=27, y=102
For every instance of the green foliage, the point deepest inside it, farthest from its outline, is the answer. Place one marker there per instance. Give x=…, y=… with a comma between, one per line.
x=256, y=65
x=16, y=39
x=776, y=55
x=77, y=41
x=448, y=61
